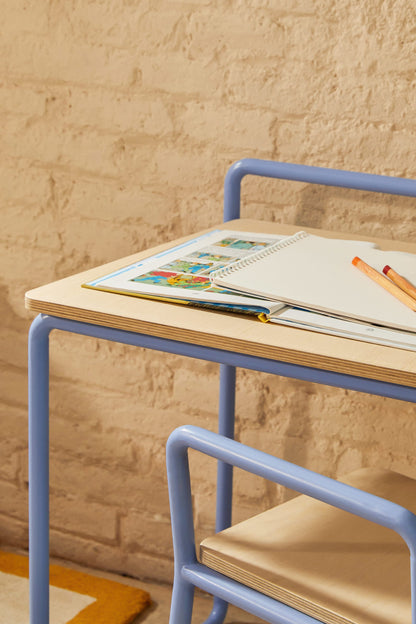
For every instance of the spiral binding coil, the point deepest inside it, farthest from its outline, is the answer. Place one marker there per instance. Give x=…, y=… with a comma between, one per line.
x=251, y=259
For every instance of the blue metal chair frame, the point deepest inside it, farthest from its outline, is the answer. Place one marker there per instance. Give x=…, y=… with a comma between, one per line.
x=38, y=364
x=190, y=574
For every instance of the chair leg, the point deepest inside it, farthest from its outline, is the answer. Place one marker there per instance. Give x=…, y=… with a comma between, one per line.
x=226, y=419
x=182, y=602
x=218, y=613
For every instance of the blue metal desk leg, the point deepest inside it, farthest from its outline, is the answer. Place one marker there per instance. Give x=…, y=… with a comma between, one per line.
x=226, y=420
x=39, y=471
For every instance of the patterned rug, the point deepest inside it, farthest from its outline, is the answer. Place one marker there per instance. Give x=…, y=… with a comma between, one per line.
x=75, y=597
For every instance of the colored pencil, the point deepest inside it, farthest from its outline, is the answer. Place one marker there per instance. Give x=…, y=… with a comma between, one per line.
x=400, y=281
x=385, y=283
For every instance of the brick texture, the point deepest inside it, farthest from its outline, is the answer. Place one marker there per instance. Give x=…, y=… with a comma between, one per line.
x=119, y=121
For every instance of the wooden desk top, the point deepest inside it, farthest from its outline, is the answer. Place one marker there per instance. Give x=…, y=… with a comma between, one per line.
x=66, y=299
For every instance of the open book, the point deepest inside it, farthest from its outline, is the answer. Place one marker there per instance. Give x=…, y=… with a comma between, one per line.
x=317, y=273
x=181, y=274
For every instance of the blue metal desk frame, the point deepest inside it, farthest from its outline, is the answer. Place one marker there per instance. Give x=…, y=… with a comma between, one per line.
x=39, y=373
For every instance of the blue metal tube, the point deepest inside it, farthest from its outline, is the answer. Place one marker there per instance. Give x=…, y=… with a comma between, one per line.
x=223, y=515
x=183, y=537
x=243, y=597
x=226, y=421
x=38, y=363
x=305, y=173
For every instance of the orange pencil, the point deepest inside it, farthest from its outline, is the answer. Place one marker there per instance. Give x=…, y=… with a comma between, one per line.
x=385, y=283
x=400, y=281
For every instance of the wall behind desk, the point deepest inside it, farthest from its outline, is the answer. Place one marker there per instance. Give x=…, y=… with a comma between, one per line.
x=120, y=119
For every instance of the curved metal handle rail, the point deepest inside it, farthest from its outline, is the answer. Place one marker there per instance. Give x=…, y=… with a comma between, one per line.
x=306, y=173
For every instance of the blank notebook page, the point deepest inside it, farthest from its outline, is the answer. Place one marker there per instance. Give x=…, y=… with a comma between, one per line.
x=317, y=273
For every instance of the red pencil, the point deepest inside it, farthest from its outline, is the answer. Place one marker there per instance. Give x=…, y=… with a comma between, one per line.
x=400, y=281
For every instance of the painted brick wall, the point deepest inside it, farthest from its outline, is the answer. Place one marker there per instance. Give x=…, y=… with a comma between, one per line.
x=119, y=121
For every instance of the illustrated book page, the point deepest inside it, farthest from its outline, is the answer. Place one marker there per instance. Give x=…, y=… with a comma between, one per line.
x=181, y=274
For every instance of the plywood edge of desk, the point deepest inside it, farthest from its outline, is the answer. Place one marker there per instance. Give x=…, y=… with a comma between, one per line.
x=251, y=342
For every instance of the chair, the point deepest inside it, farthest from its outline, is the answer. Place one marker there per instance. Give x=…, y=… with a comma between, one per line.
x=334, y=554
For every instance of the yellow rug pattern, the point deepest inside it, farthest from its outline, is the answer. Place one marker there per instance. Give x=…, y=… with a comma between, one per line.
x=113, y=603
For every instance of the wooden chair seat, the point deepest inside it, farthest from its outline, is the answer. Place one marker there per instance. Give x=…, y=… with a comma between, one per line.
x=323, y=561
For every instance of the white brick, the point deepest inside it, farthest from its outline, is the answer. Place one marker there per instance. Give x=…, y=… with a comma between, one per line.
x=238, y=127
x=87, y=519
x=13, y=501
x=105, y=557
x=14, y=533
x=135, y=528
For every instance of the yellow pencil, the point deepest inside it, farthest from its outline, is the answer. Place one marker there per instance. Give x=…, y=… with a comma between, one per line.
x=385, y=283
x=400, y=281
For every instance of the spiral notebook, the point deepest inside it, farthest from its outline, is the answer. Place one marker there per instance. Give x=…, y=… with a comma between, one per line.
x=317, y=274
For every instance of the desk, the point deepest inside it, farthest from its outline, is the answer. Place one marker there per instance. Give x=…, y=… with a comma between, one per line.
x=230, y=340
